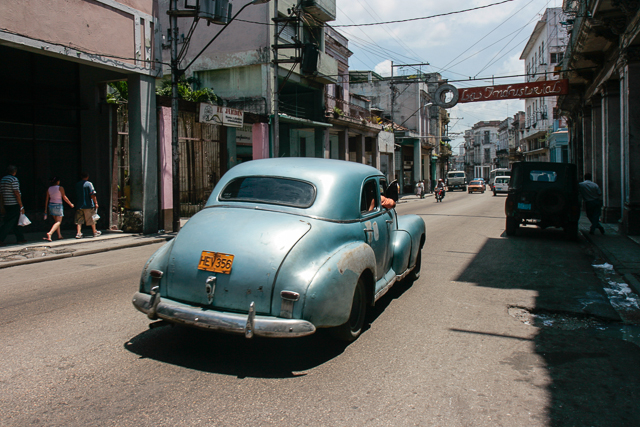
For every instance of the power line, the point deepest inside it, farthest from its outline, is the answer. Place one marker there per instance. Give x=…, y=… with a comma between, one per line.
x=425, y=17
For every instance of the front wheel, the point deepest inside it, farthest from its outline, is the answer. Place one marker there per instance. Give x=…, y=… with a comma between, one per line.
x=415, y=273
x=352, y=329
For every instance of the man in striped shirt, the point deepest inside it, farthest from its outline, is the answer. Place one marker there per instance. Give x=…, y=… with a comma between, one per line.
x=11, y=205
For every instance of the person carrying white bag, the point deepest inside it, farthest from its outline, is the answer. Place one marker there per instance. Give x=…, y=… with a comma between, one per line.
x=11, y=206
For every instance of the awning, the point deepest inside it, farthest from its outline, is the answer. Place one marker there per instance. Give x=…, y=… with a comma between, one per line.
x=285, y=118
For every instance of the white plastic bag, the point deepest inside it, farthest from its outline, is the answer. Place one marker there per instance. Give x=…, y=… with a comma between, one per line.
x=95, y=216
x=23, y=220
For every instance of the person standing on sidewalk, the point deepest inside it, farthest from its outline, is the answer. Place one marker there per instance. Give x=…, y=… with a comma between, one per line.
x=53, y=205
x=592, y=196
x=87, y=205
x=11, y=205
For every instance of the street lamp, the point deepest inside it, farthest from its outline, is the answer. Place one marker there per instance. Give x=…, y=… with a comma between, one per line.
x=195, y=6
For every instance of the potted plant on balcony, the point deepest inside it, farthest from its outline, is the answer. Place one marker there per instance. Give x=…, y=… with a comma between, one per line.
x=337, y=113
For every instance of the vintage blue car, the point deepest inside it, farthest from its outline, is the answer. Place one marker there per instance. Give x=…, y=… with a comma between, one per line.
x=284, y=247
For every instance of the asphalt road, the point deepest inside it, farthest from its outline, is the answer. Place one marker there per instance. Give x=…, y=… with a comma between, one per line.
x=459, y=347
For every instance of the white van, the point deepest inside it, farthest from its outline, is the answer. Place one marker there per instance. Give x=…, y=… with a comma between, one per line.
x=501, y=184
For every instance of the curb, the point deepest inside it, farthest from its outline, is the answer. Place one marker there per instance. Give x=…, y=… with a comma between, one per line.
x=84, y=252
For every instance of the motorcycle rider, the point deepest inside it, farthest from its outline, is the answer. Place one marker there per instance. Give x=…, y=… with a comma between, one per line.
x=439, y=187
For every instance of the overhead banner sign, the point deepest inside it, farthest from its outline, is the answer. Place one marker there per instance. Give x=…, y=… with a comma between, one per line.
x=216, y=115
x=514, y=91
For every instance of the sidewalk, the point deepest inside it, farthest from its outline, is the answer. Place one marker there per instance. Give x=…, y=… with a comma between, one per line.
x=622, y=252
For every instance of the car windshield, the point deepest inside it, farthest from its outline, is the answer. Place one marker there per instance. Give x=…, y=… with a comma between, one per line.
x=272, y=190
x=543, y=176
x=476, y=182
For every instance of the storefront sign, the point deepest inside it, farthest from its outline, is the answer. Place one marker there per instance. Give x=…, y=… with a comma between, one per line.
x=244, y=135
x=216, y=115
x=514, y=91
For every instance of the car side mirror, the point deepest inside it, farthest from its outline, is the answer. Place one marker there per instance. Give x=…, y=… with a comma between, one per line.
x=392, y=191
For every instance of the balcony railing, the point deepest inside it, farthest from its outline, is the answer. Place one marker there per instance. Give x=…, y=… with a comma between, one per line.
x=348, y=110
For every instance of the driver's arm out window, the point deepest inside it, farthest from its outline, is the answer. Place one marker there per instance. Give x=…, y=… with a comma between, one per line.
x=369, y=201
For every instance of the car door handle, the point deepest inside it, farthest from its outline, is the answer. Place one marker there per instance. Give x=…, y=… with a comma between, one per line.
x=389, y=221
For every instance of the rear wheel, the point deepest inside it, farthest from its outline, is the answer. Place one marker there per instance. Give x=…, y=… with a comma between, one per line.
x=353, y=327
x=512, y=226
x=571, y=230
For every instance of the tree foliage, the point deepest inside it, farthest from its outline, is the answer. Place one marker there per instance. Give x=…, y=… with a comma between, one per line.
x=119, y=91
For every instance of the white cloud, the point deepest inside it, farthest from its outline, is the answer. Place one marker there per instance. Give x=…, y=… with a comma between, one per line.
x=383, y=68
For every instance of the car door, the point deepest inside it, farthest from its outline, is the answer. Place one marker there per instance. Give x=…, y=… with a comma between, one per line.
x=378, y=224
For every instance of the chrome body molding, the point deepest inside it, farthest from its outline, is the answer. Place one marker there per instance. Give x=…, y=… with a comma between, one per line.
x=248, y=325
x=392, y=282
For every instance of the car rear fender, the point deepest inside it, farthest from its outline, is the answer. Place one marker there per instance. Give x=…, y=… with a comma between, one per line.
x=158, y=261
x=330, y=293
x=414, y=226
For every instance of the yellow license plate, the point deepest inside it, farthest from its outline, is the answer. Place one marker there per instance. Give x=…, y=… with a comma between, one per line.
x=215, y=262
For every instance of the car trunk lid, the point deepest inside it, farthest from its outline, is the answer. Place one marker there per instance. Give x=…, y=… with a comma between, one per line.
x=258, y=240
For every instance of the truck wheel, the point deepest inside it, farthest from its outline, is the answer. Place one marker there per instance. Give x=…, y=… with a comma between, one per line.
x=512, y=226
x=571, y=230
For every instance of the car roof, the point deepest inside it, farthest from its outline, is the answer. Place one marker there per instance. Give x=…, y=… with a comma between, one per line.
x=338, y=183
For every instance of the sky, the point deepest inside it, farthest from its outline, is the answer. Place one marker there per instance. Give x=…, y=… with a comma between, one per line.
x=482, y=43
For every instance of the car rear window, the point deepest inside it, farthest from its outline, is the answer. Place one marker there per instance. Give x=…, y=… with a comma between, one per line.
x=456, y=175
x=543, y=176
x=272, y=190
x=502, y=180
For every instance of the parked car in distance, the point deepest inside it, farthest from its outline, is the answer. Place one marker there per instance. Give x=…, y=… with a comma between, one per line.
x=282, y=248
x=543, y=194
x=476, y=186
x=501, y=184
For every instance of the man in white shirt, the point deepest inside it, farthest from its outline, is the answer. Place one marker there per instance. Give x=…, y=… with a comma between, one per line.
x=592, y=196
x=11, y=205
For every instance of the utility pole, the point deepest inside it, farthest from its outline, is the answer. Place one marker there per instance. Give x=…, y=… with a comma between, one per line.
x=175, y=147
x=276, y=66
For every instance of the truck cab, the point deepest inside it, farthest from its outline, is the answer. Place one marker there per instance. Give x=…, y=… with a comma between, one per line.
x=456, y=180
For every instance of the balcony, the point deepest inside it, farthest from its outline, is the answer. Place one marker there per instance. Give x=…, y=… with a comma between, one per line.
x=322, y=10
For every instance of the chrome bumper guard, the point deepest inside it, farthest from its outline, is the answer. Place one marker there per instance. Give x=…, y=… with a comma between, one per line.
x=248, y=325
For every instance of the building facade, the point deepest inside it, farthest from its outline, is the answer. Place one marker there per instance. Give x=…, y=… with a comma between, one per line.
x=602, y=63
x=55, y=118
x=542, y=53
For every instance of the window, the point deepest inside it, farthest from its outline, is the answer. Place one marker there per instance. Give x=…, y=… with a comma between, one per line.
x=369, y=200
x=271, y=190
x=543, y=176
x=557, y=57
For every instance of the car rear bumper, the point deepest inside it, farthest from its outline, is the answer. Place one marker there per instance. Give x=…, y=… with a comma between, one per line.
x=265, y=326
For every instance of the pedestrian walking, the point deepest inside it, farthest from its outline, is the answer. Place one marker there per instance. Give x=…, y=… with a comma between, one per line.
x=87, y=205
x=11, y=205
x=53, y=206
x=592, y=195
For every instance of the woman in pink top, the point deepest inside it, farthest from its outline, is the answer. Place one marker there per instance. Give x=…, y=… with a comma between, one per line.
x=53, y=203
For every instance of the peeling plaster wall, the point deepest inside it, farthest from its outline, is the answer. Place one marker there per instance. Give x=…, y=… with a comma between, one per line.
x=90, y=26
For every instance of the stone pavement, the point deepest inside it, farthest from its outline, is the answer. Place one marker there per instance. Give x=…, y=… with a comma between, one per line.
x=621, y=251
